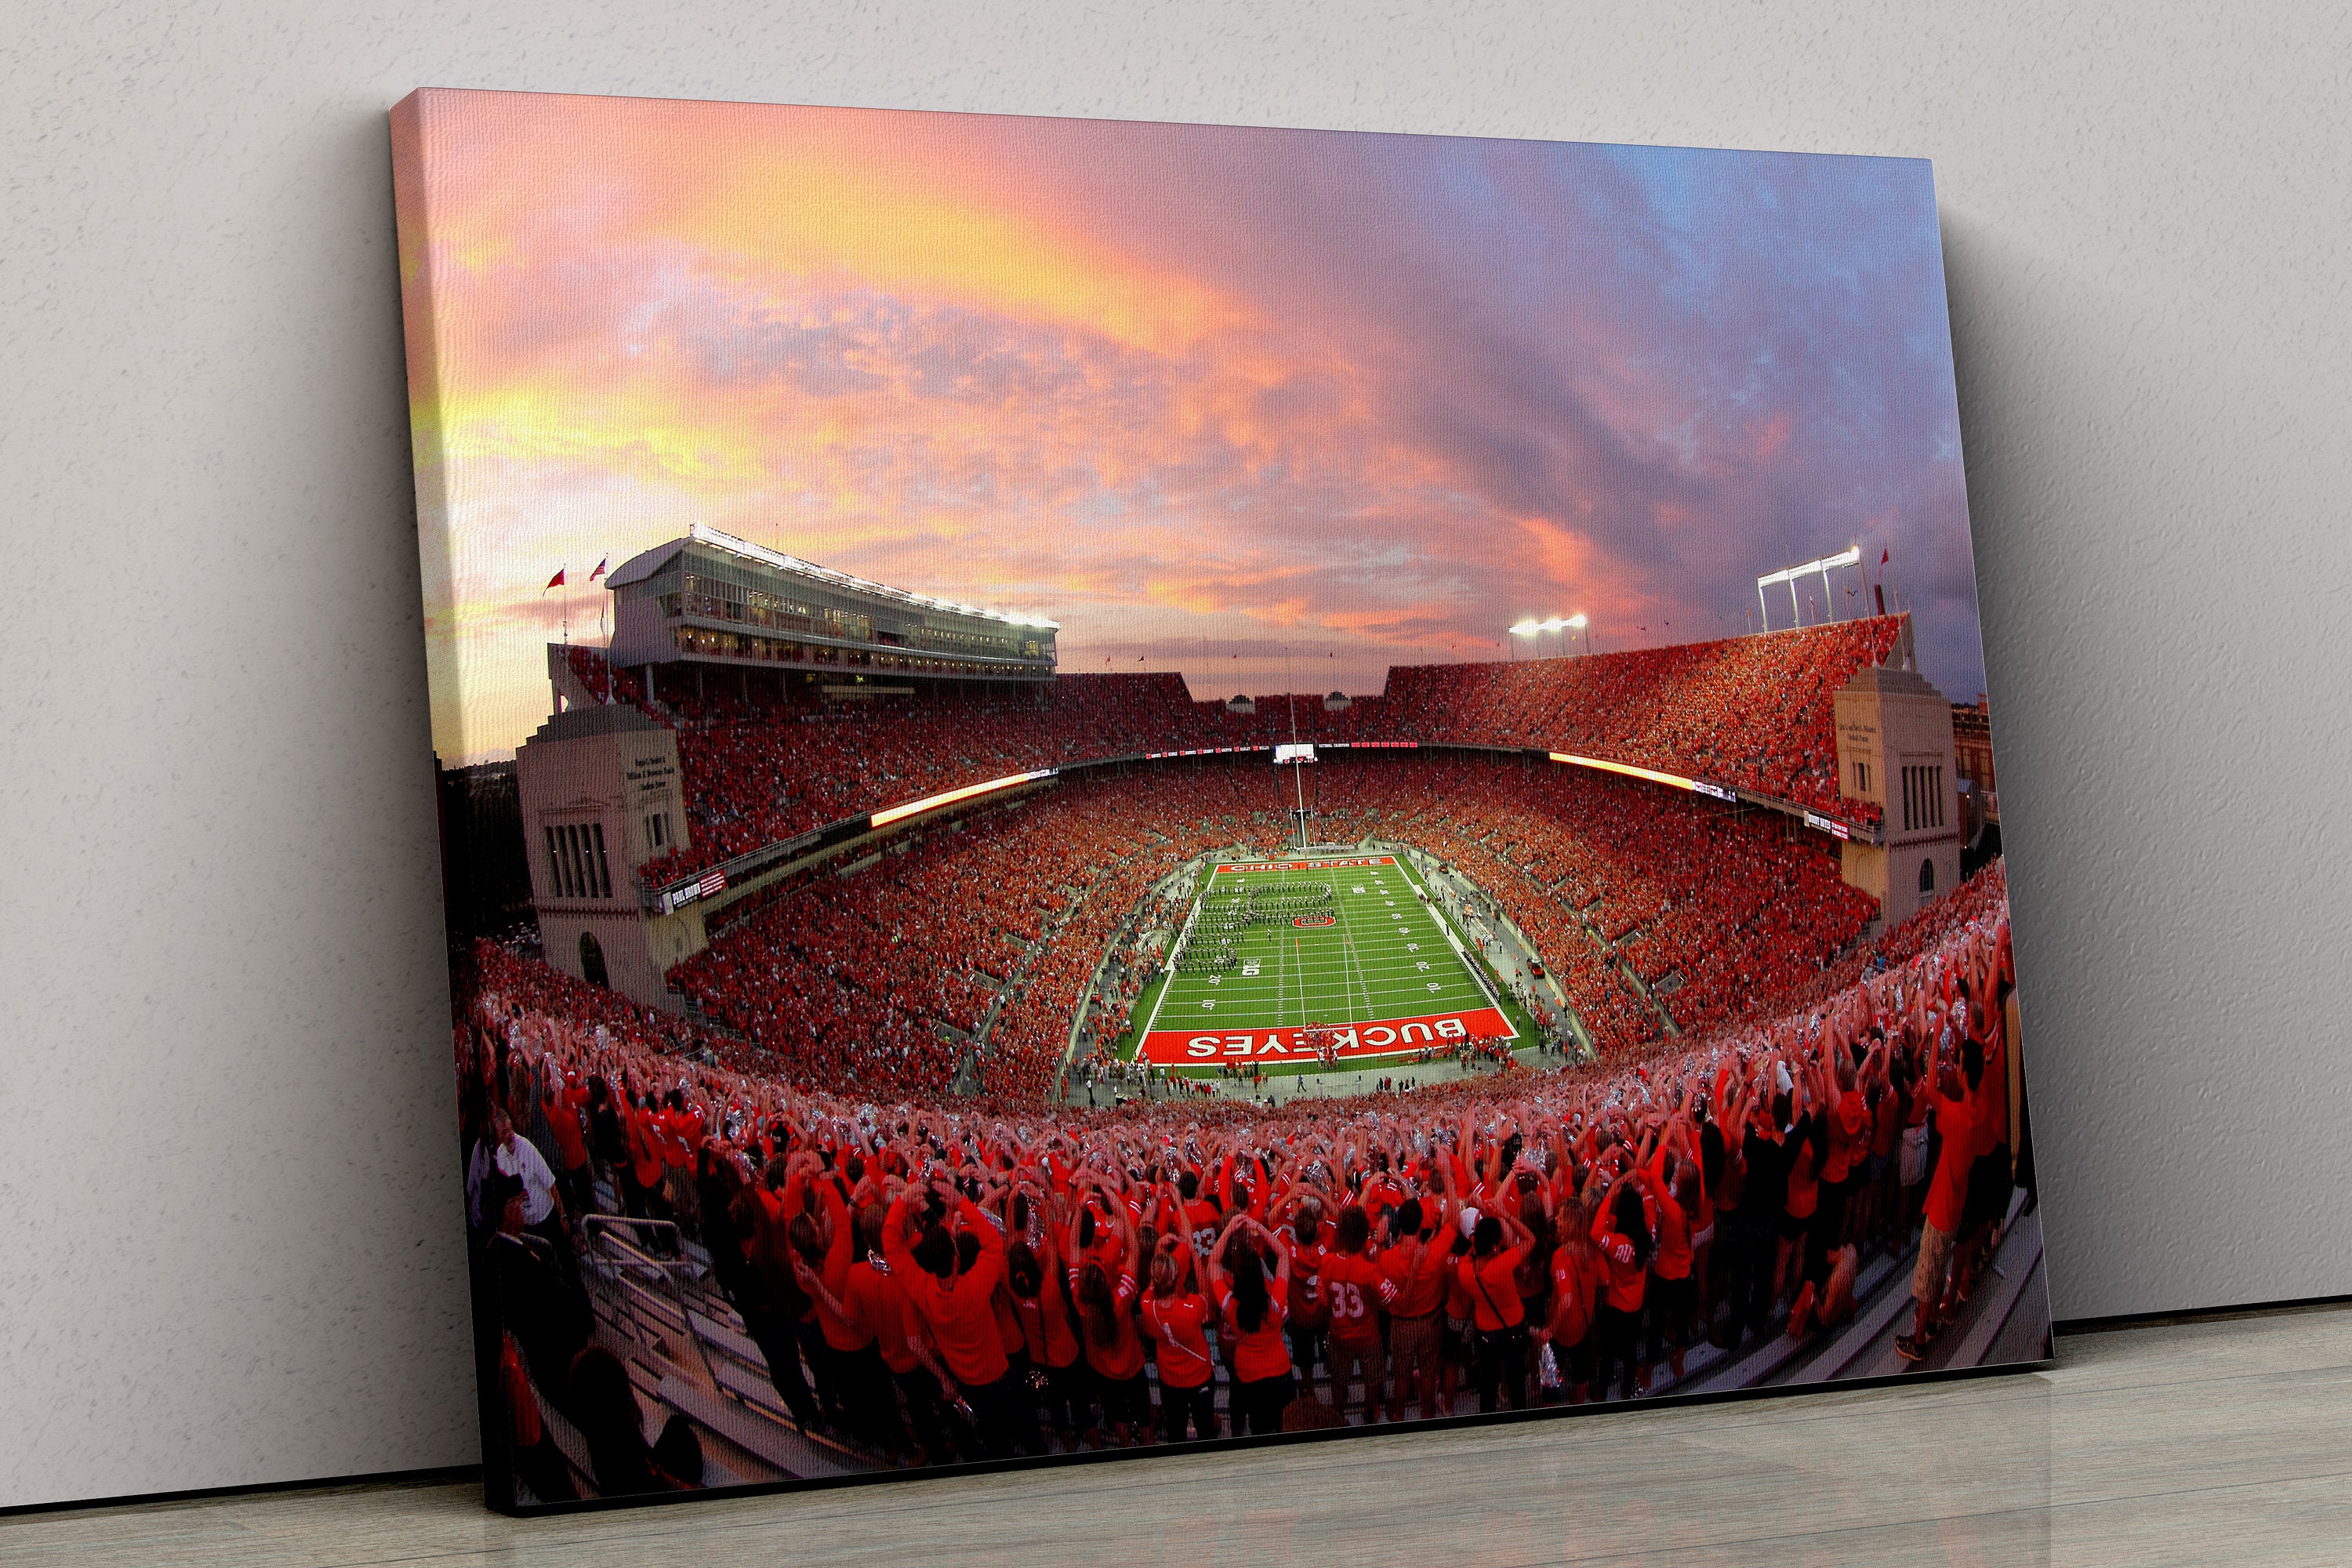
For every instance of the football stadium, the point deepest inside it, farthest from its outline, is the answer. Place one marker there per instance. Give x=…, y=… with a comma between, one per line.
x=878, y=1047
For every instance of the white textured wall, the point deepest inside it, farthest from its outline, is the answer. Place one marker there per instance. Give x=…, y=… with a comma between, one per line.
x=231, y=1232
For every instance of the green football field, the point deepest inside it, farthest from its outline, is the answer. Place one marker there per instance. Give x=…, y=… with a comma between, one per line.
x=1372, y=955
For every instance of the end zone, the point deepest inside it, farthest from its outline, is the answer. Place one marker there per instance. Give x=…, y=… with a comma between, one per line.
x=1231, y=867
x=1352, y=1042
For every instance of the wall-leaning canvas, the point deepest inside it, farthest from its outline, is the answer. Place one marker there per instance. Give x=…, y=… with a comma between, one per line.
x=1113, y=784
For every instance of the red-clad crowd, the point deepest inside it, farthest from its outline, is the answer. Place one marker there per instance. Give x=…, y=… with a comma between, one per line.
x=1715, y=910
x=756, y=774
x=764, y=759
x=882, y=977
x=936, y=1279
x=1982, y=899
x=1756, y=712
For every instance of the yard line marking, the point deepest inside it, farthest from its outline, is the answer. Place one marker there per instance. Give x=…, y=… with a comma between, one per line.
x=1349, y=951
x=1281, y=984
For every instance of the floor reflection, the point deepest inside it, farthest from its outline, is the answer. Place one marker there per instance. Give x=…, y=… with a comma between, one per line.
x=2211, y=1442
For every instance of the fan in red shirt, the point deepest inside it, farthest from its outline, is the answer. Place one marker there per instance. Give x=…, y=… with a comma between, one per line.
x=1253, y=1310
x=561, y=1100
x=1845, y=1133
x=1577, y=1274
x=955, y=1305
x=1620, y=1230
x=678, y=1128
x=1309, y=1315
x=1106, y=1319
x=1041, y=1298
x=1382, y=1193
x=1202, y=1218
x=1673, y=1183
x=857, y=1312
x=645, y=1168
x=1489, y=1278
x=1355, y=1289
x=1177, y=1315
x=1990, y=1179
x=1418, y=1265
x=1948, y=1191
x=792, y=1219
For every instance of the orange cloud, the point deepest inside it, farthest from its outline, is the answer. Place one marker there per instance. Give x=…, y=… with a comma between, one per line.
x=876, y=223
x=1563, y=555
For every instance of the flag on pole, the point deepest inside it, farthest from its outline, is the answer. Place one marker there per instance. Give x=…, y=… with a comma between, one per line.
x=600, y=569
x=556, y=581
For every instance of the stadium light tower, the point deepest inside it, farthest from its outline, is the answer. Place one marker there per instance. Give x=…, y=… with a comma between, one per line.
x=1299, y=754
x=1536, y=629
x=1577, y=623
x=1850, y=556
x=1525, y=628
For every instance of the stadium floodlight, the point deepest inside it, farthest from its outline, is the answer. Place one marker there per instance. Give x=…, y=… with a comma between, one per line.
x=1575, y=620
x=968, y=792
x=1850, y=556
x=1525, y=628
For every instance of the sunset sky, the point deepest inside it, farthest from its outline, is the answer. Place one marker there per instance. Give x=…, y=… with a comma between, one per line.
x=1208, y=397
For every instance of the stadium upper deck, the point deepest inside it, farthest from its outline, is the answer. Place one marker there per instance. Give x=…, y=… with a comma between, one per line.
x=777, y=757
x=712, y=598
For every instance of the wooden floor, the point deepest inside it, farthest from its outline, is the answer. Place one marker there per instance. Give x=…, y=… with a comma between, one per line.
x=2212, y=1442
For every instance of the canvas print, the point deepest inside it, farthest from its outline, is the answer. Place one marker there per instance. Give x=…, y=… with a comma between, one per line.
x=1112, y=785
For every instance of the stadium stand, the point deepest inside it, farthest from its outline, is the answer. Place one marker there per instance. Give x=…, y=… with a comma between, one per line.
x=684, y=1241
x=872, y=981
x=766, y=762
x=1716, y=905
x=1753, y=712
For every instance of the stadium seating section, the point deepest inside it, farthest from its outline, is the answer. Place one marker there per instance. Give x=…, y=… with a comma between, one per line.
x=762, y=763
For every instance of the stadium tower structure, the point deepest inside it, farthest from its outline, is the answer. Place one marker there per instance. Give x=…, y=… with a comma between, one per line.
x=600, y=794
x=1896, y=751
x=600, y=786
